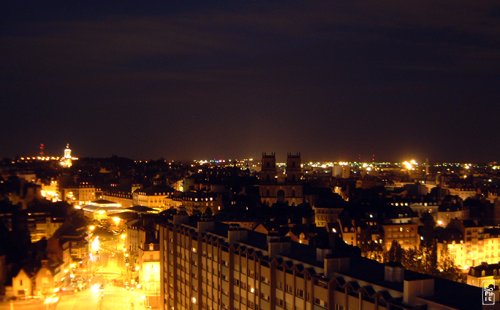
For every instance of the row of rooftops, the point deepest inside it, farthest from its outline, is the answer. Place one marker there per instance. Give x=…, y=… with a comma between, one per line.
x=313, y=260
x=160, y=191
x=488, y=269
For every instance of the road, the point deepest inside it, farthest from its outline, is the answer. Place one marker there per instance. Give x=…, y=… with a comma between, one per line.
x=111, y=298
x=108, y=267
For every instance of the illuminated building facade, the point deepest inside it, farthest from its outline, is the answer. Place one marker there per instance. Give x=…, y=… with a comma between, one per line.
x=419, y=207
x=100, y=209
x=41, y=283
x=401, y=225
x=149, y=266
x=483, y=272
x=143, y=261
x=474, y=245
x=197, y=201
x=43, y=225
x=75, y=247
x=123, y=198
x=209, y=265
x=51, y=191
x=156, y=198
x=79, y=194
x=446, y=215
x=44, y=281
x=22, y=285
x=326, y=215
x=350, y=234
x=406, y=234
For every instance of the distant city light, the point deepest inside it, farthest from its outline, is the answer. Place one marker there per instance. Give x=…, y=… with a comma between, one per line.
x=410, y=165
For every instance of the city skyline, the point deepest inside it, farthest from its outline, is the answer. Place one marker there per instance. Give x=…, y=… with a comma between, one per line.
x=258, y=233
x=48, y=154
x=229, y=79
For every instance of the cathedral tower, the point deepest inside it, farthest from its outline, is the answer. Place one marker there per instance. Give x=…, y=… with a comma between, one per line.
x=293, y=167
x=268, y=171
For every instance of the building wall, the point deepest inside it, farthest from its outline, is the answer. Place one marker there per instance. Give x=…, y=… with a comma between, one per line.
x=203, y=274
x=80, y=195
x=406, y=234
x=157, y=201
x=477, y=246
x=78, y=249
x=478, y=281
x=205, y=271
x=51, y=191
x=199, y=204
x=471, y=253
x=463, y=194
x=86, y=194
x=350, y=236
x=425, y=207
x=132, y=241
x=444, y=217
x=144, y=262
x=292, y=193
x=125, y=201
x=3, y=273
x=323, y=216
x=44, y=282
x=21, y=285
x=274, y=189
x=496, y=212
x=44, y=229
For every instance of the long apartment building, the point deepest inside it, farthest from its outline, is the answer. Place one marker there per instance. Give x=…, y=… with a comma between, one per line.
x=210, y=265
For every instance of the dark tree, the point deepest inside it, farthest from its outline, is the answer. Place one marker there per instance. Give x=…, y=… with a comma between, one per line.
x=395, y=252
x=427, y=229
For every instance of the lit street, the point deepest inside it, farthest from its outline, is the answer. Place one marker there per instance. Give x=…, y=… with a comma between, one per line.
x=105, y=290
x=112, y=298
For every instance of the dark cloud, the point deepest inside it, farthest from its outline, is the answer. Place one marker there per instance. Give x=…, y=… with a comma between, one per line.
x=333, y=79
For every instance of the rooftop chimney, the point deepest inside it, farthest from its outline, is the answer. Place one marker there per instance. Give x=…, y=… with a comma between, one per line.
x=322, y=253
x=205, y=225
x=333, y=264
x=236, y=234
x=417, y=288
x=394, y=272
x=277, y=245
x=178, y=219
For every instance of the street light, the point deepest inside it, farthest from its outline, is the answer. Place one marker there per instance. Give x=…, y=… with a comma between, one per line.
x=95, y=244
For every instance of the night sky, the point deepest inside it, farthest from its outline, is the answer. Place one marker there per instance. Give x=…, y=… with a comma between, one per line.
x=336, y=80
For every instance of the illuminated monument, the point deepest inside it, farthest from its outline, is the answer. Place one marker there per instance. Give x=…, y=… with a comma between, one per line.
x=67, y=160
